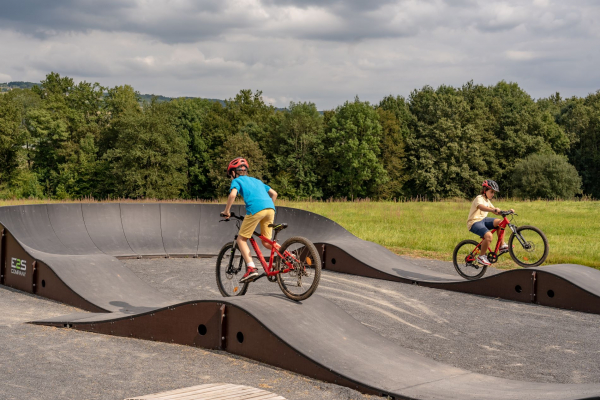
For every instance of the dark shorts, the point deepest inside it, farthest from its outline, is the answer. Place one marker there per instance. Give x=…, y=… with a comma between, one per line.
x=482, y=227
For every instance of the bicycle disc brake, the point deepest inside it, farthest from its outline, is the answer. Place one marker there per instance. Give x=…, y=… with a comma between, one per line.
x=529, y=246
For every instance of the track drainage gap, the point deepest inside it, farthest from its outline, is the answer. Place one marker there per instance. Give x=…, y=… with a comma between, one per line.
x=550, y=293
x=240, y=337
x=518, y=289
x=43, y=283
x=333, y=261
x=202, y=330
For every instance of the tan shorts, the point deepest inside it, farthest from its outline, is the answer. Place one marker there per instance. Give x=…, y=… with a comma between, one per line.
x=264, y=217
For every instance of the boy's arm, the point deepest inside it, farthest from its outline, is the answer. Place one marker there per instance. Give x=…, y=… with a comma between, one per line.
x=494, y=210
x=273, y=194
x=230, y=200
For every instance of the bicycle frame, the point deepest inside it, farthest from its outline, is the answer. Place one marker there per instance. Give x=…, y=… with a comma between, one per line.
x=502, y=226
x=269, y=267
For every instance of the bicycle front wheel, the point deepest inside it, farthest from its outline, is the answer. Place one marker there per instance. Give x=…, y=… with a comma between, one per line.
x=465, y=260
x=528, y=246
x=302, y=280
x=230, y=269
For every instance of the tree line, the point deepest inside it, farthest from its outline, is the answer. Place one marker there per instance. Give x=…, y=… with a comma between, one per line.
x=65, y=140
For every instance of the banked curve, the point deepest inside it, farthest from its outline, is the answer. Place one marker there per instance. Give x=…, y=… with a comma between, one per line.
x=318, y=339
x=71, y=259
x=100, y=231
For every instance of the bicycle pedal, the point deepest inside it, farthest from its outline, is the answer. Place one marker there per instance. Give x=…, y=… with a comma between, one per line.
x=258, y=277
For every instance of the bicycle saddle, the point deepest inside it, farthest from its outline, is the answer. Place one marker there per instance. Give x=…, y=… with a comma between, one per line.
x=278, y=227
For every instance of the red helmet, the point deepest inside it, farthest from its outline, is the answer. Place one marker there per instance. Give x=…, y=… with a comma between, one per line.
x=237, y=163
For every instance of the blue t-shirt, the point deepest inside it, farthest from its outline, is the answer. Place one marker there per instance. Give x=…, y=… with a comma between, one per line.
x=254, y=192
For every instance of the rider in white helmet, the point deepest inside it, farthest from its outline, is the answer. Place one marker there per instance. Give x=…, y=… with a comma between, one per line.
x=479, y=223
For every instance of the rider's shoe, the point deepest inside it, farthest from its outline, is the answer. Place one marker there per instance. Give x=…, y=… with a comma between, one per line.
x=251, y=274
x=483, y=260
x=503, y=249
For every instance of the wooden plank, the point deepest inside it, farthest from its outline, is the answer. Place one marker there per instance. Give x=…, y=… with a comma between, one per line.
x=212, y=391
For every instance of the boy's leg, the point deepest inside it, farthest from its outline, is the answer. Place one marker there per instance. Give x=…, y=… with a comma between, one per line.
x=503, y=245
x=265, y=229
x=246, y=231
x=485, y=245
x=482, y=229
x=242, y=243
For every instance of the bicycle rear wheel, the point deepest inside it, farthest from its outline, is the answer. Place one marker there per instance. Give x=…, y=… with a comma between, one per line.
x=530, y=249
x=228, y=278
x=465, y=260
x=302, y=281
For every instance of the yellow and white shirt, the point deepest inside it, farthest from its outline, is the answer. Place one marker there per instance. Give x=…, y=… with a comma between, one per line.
x=476, y=215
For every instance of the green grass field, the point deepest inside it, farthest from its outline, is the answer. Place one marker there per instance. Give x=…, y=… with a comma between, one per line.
x=431, y=230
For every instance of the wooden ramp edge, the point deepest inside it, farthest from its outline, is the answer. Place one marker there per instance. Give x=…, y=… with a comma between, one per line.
x=212, y=391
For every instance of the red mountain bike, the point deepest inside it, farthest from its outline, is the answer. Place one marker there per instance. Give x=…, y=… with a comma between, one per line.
x=527, y=246
x=297, y=265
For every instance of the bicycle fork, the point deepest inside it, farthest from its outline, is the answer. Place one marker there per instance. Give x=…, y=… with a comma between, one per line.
x=231, y=256
x=519, y=237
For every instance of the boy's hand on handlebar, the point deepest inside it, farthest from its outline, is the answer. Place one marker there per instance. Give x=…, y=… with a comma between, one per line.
x=497, y=211
x=225, y=214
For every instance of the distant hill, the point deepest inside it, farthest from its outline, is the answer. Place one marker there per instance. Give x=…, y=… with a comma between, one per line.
x=8, y=86
x=20, y=85
x=160, y=99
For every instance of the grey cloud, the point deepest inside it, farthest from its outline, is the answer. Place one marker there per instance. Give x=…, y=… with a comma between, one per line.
x=181, y=21
x=345, y=6
x=187, y=21
x=322, y=51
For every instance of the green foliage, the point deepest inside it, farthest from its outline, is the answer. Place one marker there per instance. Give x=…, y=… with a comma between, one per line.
x=447, y=152
x=392, y=155
x=395, y=119
x=190, y=115
x=62, y=139
x=545, y=176
x=581, y=120
x=24, y=184
x=351, y=163
x=10, y=136
x=149, y=159
x=298, y=148
x=239, y=145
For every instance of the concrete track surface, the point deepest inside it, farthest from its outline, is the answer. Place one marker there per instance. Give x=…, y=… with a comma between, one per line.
x=67, y=252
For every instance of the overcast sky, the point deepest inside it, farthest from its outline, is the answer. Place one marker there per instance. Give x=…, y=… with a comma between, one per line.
x=324, y=51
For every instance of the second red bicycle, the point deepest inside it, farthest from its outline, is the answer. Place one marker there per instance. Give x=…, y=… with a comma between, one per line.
x=527, y=246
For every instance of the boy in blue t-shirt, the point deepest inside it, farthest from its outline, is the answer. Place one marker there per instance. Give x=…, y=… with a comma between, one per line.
x=260, y=209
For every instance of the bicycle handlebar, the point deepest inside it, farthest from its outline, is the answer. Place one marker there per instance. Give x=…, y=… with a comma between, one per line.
x=505, y=213
x=231, y=215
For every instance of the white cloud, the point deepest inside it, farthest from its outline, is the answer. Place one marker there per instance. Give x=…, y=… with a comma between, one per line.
x=520, y=55
x=324, y=51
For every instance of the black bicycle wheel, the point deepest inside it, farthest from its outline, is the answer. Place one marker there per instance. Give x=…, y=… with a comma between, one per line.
x=465, y=260
x=228, y=279
x=528, y=247
x=302, y=281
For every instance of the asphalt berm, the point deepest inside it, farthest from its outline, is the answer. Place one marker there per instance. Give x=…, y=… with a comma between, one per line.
x=490, y=336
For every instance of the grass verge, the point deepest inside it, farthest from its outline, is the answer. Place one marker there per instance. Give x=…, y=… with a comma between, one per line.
x=432, y=229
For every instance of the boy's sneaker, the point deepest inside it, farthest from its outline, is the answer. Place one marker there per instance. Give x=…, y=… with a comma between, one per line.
x=251, y=273
x=483, y=260
x=503, y=249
